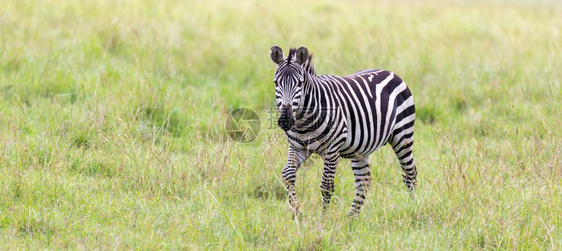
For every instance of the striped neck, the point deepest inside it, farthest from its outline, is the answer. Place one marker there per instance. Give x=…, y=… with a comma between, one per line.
x=308, y=66
x=312, y=109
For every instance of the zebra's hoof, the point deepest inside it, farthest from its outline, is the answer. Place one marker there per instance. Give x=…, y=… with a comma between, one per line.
x=352, y=214
x=413, y=196
x=297, y=216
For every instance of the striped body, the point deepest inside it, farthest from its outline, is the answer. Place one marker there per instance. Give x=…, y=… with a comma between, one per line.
x=365, y=106
x=342, y=116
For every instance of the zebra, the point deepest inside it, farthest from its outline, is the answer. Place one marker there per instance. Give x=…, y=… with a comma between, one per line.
x=341, y=117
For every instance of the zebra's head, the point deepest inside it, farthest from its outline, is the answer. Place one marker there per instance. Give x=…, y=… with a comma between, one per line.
x=290, y=79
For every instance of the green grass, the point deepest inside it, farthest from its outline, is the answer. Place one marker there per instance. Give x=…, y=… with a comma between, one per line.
x=112, y=125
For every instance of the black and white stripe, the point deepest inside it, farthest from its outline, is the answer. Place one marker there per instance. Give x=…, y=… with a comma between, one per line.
x=341, y=116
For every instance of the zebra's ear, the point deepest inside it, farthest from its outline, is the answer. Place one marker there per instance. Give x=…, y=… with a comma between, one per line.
x=276, y=54
x=302, y=54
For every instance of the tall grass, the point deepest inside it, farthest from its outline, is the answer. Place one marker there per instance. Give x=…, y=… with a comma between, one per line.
x=112, y=125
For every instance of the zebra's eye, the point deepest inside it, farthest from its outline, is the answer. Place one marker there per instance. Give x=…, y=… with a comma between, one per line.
x=300, y=83
x=275, y=81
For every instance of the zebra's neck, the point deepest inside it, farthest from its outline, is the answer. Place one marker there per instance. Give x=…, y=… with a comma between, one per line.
x=314, y=115
x=310, y=94
x=308, y=66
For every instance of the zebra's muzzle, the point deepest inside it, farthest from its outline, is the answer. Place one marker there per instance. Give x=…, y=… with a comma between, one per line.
x=286, y=120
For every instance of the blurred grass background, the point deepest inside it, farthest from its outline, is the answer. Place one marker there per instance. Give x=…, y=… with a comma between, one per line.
x=112, y=124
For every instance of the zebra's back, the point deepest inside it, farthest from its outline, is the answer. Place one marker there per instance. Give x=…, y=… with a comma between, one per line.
x=373, y=102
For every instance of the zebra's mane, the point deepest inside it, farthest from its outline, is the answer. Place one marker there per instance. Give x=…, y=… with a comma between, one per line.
x=292, y=52
x=308, y=66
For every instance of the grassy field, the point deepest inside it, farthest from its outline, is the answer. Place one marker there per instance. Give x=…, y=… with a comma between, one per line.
x=112, y=119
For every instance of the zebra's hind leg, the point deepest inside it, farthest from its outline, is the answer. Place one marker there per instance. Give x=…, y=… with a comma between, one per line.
x=402, y=144
x=362, y=175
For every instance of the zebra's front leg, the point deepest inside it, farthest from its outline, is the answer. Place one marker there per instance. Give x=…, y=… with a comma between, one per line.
x=327, y=186
x=362, y=175
x=295, y=158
